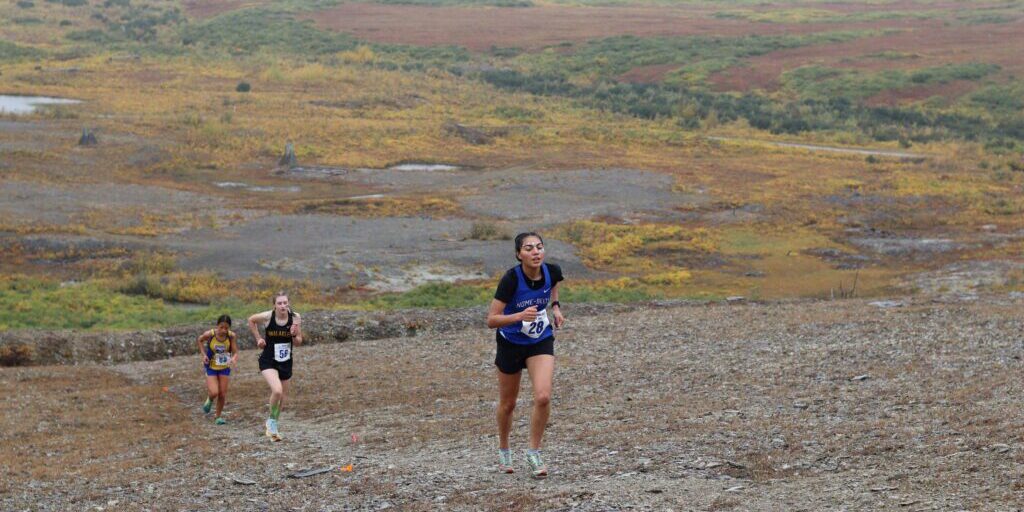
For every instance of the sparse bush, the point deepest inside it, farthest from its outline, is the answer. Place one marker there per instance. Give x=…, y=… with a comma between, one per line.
x=91, y=36
x=15, y=354
x=517, y=113
x=243, y=87
x=484, y=230
x=142, y=284
x=25, y=4
x=360, y=55
x=192, y=119
x=152, y=264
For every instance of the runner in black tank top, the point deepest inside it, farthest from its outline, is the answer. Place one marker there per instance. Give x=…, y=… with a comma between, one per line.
x=278, y=351
x=281, y=334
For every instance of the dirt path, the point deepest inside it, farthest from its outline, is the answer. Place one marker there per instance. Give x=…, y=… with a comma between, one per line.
x=802, y=406
x=828, y=149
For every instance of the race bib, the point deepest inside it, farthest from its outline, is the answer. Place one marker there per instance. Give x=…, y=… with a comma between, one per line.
x=535, y=328
x=282, y=352
x=222, y=359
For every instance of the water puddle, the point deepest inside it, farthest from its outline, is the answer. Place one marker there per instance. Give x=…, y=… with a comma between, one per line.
x=423, y=167
x=329, y=172
x=251, y=188
x=10, y=104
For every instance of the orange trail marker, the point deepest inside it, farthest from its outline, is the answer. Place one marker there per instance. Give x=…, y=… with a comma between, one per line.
x=347, y=469
x=355, y=438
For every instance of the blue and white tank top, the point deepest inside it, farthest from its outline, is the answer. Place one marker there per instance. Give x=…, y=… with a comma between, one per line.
x=528, y=333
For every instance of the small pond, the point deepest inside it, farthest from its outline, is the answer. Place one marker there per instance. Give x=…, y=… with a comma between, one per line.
x=10, y=104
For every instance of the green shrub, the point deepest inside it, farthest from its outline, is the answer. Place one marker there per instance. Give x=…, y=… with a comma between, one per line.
x=243, y=87
x=13, y=52
x=93, y=35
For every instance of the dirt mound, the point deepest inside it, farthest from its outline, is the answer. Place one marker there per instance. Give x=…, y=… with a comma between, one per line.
x=29, y=347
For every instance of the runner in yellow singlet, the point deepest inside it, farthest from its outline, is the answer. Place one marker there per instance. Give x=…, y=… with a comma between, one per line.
x=220, y=352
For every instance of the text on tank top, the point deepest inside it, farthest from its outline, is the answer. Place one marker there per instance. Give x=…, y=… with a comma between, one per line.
x=279, y=338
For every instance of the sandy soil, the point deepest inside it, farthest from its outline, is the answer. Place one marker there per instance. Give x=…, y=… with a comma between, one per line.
x=799, y=406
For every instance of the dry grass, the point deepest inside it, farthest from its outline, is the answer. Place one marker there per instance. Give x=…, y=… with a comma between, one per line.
x=384, y=207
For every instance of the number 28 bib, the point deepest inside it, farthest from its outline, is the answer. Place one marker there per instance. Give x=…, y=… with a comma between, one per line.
x=535, y=328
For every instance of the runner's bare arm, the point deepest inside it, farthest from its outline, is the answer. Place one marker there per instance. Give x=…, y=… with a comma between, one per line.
x=254, y=326
x=496, y=318
x=556, y=310
x=203, y=339
x=296, y=329
x=234, y=347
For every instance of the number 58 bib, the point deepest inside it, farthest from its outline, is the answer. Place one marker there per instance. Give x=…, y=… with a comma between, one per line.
x=535, y=328
x=282, y=352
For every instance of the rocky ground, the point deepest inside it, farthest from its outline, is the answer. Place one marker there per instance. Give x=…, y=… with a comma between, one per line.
x=841, y=405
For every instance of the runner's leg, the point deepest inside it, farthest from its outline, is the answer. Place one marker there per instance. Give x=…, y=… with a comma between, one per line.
x=542, y=370
x=276, y=391
x=508, y=393
x=285, y=384
x=212, y=390
x=222, y=382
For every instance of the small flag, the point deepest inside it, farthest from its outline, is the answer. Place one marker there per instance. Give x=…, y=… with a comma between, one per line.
x=347, y=469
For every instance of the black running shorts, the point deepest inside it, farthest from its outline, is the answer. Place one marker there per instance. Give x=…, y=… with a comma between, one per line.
x=284, y=370
x=511, y=358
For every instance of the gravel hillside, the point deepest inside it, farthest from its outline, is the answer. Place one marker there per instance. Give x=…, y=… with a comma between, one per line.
x=843, y=405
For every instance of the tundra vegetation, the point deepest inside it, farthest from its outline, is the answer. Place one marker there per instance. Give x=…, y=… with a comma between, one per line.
x=184, y=94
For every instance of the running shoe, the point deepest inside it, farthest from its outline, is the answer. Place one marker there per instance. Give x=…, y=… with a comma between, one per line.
x=272, y=432
x=220, y=421
x=207, y=405
x=537, y=467
x=505, y=461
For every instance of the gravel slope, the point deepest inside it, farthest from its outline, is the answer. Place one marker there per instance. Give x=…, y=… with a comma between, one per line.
x=795, y=406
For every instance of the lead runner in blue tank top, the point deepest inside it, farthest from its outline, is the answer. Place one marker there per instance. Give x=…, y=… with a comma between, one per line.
x=525, y=311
